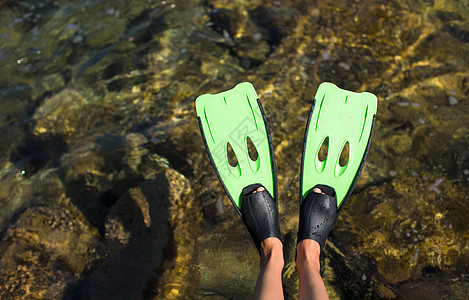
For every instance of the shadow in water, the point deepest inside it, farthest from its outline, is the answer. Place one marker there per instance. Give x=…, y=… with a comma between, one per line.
x=93, y=193
x=137, y=236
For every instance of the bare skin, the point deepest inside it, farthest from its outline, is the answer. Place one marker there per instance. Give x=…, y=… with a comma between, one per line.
x=307, y=264
x=269, y=282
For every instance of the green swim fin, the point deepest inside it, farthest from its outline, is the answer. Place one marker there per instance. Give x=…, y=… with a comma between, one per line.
x=339, y=120
x=234, y=121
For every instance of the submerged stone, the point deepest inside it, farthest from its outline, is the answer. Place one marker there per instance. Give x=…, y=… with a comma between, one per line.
x=405, y=228
x=44, y=251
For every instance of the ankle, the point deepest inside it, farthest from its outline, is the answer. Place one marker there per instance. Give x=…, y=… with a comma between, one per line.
x=307, y=254
x=272, y=252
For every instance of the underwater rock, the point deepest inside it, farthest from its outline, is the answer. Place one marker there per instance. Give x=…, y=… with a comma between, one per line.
x=137, y=232
x=99, y=170
x=251, y=30
x=405, y=227
x=19, y=189
x=44, y=250
x=98, y=34
x=147, y=225
x=58, y=115
x=14, y=107
x=55, y=251
x=141, y=207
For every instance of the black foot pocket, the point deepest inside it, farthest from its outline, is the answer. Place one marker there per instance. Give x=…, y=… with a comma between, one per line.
x=318, y=213
x=260, y=214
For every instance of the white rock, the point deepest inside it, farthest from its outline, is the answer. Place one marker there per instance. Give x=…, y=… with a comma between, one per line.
x=219, y=206
x=325, y=55
x=434, y=186
x=78, y=39
x=344, y=66
x=453, y=100
x=300, y=118
x=72, y=27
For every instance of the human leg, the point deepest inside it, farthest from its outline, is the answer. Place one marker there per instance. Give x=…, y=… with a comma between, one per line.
x=269, y=282
x=307, y=263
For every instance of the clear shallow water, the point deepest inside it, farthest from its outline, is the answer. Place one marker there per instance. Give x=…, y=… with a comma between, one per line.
x=96, y=98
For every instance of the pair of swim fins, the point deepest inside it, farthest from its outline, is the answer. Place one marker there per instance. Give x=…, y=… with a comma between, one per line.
x=337, y=139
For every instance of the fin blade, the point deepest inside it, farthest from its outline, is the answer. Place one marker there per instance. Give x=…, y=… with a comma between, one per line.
x=345, y=116
x=231, y=117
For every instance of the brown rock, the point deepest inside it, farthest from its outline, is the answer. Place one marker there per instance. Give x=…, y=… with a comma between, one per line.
x=143, y=230
x=43, y=251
